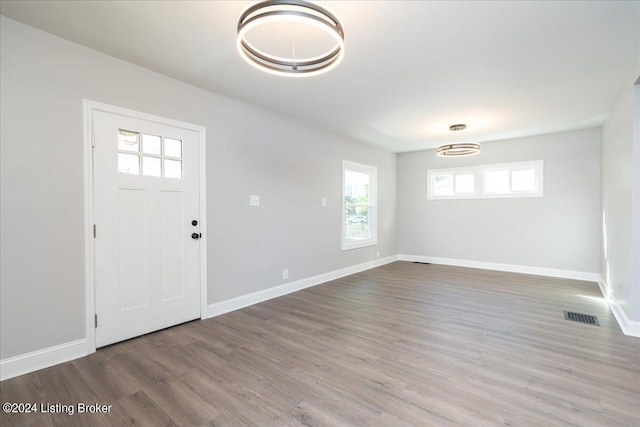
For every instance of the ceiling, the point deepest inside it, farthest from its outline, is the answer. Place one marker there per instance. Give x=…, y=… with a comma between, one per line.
x=411, y=68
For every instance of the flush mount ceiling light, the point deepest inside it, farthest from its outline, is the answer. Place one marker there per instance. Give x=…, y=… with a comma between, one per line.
x=458, y=149
x=268, y=32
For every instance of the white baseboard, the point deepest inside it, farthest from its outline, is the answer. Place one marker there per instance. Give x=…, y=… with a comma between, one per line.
x=629, y=327
x=242, y=301
x=40, y=359
x=29, y=362
x=512, y=268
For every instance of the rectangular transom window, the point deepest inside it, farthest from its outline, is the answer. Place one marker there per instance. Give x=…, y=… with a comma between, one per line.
x=504, y=180
x=156, y=156
x=359, y=210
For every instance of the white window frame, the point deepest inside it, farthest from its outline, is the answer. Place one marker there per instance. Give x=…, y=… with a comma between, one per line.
x=372, y=171
x=479, y=172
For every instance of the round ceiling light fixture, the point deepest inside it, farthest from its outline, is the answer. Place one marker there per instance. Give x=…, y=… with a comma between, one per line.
x=458, y=149
x=267, y=33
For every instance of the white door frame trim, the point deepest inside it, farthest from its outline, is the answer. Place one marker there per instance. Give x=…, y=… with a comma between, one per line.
x=89, y=247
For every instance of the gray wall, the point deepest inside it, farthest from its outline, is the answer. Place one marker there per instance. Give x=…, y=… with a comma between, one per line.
x=249, y=151
x=619, y=253
x=560, y=230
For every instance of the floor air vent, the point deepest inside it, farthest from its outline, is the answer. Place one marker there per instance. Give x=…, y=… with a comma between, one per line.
x=582, y=318
x=418, y=262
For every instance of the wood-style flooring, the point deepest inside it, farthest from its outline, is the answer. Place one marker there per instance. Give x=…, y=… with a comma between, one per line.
x=402, y=344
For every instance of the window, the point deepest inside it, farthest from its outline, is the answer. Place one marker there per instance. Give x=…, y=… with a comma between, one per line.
x=513, y=179
x=156, y=156
x=521, y=179
x=359, y=193
x=452, y=183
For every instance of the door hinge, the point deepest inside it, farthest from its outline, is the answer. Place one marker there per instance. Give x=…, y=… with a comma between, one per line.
x=93, y=140
x=96, y=319
x=94, y=231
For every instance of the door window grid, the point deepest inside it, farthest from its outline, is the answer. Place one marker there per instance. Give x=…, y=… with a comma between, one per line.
x=156, y=156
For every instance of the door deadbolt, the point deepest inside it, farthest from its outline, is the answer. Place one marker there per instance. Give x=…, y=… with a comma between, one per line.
x=194, y=222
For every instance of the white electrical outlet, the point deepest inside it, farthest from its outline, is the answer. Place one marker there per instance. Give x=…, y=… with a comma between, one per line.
x=324, y=201
x=254, y=200
x=377, y=254
x=285, y=274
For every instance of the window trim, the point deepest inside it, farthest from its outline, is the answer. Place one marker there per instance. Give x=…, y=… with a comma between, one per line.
x=372, y=171
x=479, y=172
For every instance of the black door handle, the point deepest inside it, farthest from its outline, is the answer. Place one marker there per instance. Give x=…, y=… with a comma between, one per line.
x=196, y=236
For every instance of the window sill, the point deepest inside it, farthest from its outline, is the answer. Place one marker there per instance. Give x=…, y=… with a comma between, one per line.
x=346, y=246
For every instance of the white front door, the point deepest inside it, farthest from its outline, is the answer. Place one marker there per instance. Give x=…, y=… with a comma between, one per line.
x=146, y=207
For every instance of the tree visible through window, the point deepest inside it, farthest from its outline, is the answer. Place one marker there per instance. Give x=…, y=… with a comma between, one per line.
x=359, y=210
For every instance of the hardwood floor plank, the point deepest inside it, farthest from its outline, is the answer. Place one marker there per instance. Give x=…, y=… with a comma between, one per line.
x=181, y=403
x=138, y=409
x=403, y=344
